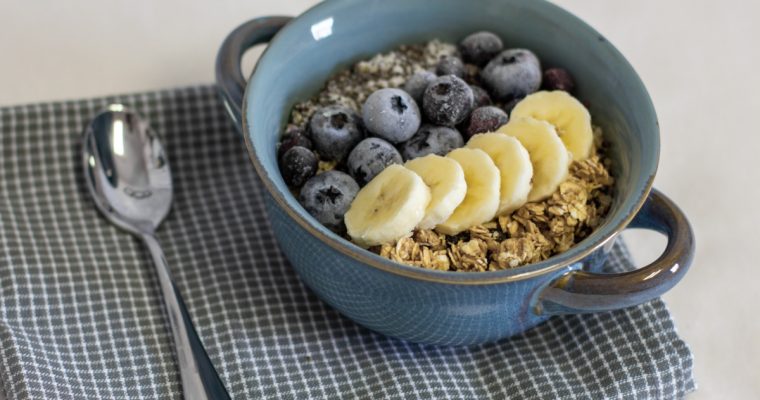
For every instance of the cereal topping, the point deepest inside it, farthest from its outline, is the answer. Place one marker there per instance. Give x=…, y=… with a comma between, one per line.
x=531, y=234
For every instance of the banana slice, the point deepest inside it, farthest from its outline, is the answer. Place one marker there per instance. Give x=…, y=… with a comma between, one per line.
x=482, y=199
x=515, y=168
x=550, y=158
x=388, y=207
x=566, y=113
x=445, y=178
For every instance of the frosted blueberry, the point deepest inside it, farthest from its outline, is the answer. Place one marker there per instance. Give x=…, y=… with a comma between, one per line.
x=447, y=100
x=513, y=74
x=558, y=79
x=370, y=157
x=480, y=47
x=335, y=130
x=297, y=165
x=328, y=196
x=486, y=119
x=391, y=114
x=417, y=84
x=431, y=139
x=293, y=137
x=449, y=65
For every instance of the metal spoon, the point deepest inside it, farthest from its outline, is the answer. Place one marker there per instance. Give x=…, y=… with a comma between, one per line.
x=128, y=176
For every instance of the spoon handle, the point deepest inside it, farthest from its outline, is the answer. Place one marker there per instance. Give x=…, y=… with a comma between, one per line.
x=199, y=378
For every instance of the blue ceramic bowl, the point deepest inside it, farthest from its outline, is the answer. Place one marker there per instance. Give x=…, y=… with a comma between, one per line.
x=444, y=307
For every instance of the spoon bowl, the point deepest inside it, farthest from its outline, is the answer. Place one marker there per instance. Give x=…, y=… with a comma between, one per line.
x=127, y=170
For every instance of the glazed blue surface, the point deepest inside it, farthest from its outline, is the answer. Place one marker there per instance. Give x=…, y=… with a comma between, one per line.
x=423, y=312
x=456, y=311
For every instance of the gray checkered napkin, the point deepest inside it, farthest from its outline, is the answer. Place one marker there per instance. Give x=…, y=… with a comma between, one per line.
x=80, y=314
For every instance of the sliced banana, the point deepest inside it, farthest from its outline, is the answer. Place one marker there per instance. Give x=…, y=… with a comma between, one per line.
x=482, y=199
x=388, y=207
x=515, y=168
x=566, y=113
x=550, y=158
x=445, y=178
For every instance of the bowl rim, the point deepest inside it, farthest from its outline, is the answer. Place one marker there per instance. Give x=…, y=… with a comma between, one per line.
x=574, y=255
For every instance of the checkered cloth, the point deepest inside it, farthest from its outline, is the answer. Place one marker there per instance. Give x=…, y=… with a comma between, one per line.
x=81, y=317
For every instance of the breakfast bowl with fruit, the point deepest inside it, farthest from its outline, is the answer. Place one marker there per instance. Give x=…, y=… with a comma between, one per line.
x=452, y=174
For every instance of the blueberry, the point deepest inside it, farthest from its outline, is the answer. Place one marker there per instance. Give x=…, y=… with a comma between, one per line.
x=447, y=100
x=335, y=130
x=293, y=136
x=297, y=165
x=486, y=119
x=481, y=97
x=480, y=47
x=558, y=79
x=370, y=157
x=431, y=139
x=391, y=114
x=450, y=65
x=328, y=196
x=417, y=84
x=513, y=74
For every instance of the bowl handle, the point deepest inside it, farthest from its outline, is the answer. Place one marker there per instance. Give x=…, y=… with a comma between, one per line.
x=229, y=77
x=583, y=292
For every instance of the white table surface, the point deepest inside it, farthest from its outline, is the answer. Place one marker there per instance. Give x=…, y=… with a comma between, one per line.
x=700, y=60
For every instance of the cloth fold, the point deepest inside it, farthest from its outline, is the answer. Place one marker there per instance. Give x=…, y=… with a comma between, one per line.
x=81, y=317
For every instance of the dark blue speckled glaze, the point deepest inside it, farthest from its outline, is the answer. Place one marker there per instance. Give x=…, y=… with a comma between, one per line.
x=434, y=306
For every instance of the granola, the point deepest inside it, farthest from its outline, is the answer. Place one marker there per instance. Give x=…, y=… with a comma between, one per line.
x=532, y=233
